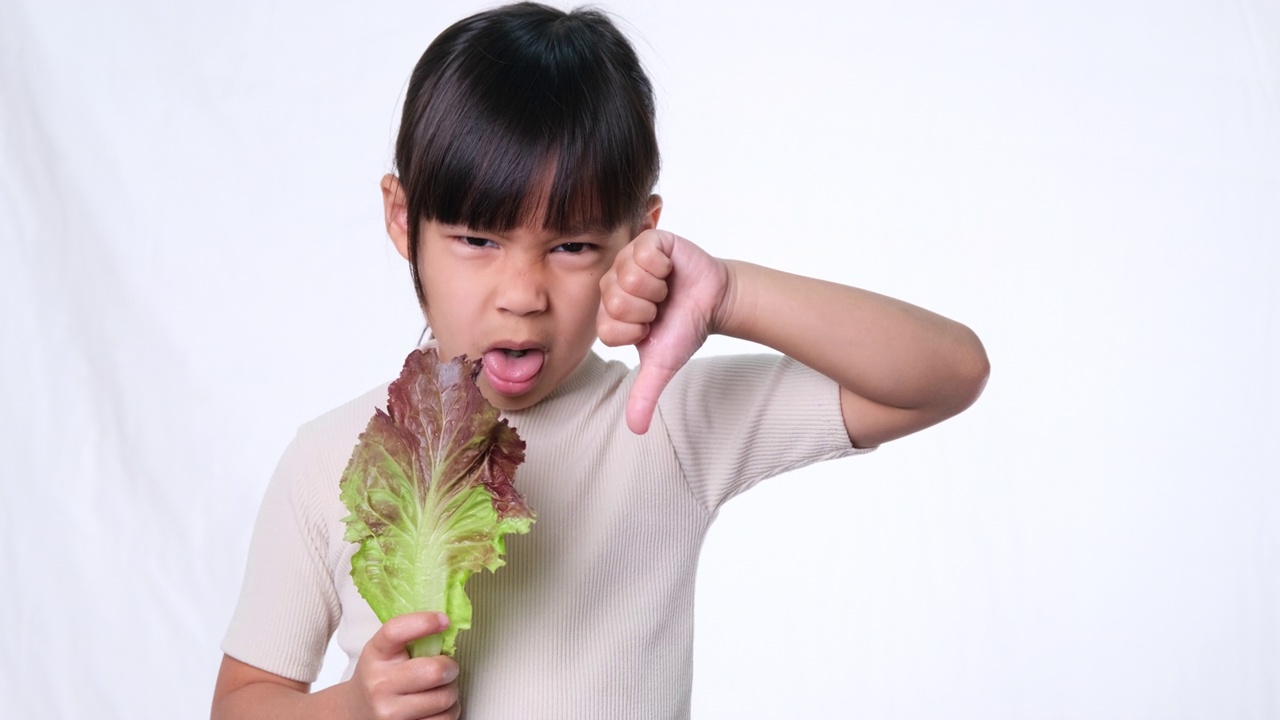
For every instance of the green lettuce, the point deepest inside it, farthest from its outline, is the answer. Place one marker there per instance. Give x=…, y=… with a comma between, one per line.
x=429, y=487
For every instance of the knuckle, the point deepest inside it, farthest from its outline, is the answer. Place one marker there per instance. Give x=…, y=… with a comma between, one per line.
x=448, y=670
x=382, y=708
x=616, y=304
x=650, y=254
x=391, y=633
x=635, y=333
x=391, y=626
x=618, y=333
x=660, y=291
x=646, y=247
x=450, y=667
x=379, y=692
x=431, y=675
x=611, y=335
x=376, y=687
x=632, y=279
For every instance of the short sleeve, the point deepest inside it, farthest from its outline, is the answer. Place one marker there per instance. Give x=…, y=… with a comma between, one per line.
x=288, y=607
x=736, y=420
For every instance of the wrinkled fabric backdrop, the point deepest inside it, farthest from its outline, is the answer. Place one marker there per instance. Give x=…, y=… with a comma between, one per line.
x=192, y=263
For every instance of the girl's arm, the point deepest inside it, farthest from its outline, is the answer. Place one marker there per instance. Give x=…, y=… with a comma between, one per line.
x=900, y=368
x=386, y=683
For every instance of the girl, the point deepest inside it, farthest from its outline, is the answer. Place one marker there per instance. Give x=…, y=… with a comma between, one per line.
x=526, y=159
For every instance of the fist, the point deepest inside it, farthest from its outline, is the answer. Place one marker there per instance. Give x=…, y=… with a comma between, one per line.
x=664, y=295
x=389, y=685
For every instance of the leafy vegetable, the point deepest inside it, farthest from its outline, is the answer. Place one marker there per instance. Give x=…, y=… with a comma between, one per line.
x=429, y=487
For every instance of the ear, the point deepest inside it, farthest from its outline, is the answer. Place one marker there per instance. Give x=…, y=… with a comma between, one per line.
x=651, y=214
x=396, y=214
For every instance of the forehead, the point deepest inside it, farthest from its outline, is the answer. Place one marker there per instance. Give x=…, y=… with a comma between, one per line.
x=538, y=221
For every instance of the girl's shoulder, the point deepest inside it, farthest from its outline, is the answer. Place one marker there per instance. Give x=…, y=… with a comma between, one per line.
x=321, y=447
x=347, y=420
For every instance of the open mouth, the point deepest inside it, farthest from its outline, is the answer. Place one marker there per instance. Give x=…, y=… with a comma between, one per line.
x=512, y=371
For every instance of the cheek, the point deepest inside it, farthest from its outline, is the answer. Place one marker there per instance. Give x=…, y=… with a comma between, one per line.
x=585, y=289
x=449, y=296
x=585, y=302
x=442, y=292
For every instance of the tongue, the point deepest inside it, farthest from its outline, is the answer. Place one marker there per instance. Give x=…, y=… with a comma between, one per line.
x=510, y=369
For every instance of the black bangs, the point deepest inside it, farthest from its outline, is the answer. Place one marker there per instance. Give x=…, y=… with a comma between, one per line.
x=526, y=115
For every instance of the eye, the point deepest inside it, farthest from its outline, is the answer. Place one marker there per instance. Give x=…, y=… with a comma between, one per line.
x=574, y=248
x=477, y=242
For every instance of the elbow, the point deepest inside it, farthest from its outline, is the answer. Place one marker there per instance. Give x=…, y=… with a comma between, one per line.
x=973, y=369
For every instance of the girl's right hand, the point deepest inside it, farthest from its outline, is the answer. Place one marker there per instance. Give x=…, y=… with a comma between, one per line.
x=389, y=685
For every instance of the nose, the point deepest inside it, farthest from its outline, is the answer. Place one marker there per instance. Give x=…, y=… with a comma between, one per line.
x=522, y=289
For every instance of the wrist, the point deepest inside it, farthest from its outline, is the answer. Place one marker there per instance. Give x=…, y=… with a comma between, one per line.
x=733, y=314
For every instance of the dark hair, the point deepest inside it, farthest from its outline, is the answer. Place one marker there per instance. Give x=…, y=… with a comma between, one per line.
x=525, y=108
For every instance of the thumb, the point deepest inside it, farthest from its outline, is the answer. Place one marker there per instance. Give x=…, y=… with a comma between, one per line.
x=390, y=640
x=656, y=370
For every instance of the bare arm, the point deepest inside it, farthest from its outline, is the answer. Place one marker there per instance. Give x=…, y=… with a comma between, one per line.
x=244, y=691
x=387, y=684
x=900, y=368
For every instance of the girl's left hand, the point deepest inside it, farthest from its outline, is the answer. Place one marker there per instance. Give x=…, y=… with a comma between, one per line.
x=664, y=295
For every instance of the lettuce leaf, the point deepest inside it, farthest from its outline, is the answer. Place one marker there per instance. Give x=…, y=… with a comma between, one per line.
x=429, y=488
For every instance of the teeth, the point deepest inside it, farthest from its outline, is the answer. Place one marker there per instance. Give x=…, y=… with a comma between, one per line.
x=515, y=353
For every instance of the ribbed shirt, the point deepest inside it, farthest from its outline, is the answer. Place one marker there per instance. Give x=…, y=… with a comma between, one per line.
x=592, y=616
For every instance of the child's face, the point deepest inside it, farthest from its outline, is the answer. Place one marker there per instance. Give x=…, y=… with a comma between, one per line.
x=524, y=300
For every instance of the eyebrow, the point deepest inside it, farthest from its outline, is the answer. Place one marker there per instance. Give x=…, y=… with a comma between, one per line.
x=562, y=235
x=587, y=233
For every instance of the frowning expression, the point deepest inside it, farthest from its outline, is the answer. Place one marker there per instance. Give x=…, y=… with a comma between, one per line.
x=525, y=300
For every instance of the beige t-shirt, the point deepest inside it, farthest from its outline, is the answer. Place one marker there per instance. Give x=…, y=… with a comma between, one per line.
x=592, y=617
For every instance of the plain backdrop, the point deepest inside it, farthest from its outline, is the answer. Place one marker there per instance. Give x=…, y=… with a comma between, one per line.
x=192, y=263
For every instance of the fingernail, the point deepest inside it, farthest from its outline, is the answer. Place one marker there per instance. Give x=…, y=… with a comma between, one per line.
x=444, y=619
x=450, y=673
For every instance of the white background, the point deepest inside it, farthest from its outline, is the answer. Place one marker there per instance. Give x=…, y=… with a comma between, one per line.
x=192, y=263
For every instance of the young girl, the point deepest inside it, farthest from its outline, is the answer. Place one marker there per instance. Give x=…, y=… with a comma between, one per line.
x=526, y=159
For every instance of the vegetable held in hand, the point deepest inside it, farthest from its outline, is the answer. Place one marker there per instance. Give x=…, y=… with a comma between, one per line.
x=430, y=494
